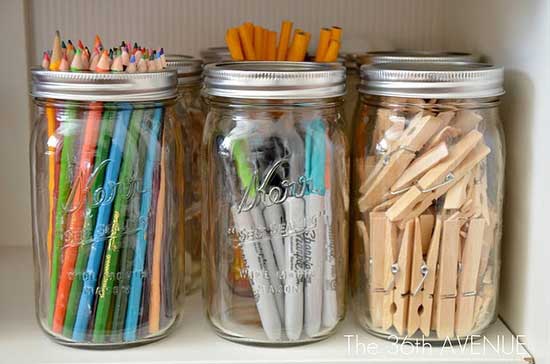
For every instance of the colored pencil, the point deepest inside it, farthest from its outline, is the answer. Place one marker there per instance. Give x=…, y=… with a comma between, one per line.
x=154, y=306
x=73, y=232
x=124, y=191
x=69, y=130
x=92, y=206
x=102, y=222
x=129, y=240
x=141, y=244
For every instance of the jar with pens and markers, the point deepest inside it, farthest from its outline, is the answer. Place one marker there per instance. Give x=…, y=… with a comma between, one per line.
x=104, y=175
x=275, y=201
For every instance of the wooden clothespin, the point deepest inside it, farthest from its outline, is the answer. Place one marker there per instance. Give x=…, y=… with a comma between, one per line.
x=386, y=204
x=377, y=225
x=390, y=270
x=426, y=227
x=429, y=284
x=447, y=279
x=403, y=279
x=420, y=165
x=456, y=196
x=485, y=300
x=419, y=272
x=394, y=163
x=466, y=120
x=457, y=154
x=444, y=135
x=416, y=200
x=363, y=237
x=468, y=277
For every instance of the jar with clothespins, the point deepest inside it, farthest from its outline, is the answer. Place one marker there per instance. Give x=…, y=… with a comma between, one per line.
x=427, y=192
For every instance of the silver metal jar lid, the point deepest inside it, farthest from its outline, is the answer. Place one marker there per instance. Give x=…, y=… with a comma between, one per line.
x=216, y=54
x=432, y=80
x=416, y=57
x=275, y=80
x=189, y=68
x=88, y=86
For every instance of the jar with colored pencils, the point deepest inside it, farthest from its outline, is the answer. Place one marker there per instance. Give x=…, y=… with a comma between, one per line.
x=190, y=111
x=106, y=223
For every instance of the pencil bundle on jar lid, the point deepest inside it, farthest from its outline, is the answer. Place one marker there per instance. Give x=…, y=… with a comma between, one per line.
x=124, y=58
x=249, y=42
x=111, y=219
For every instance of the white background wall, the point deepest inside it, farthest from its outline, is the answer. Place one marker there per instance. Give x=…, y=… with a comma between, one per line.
x=513, y=33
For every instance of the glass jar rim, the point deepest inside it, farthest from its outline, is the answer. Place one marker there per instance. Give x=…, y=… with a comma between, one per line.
x=275, y=80
x=115, y=87
x=432, y=80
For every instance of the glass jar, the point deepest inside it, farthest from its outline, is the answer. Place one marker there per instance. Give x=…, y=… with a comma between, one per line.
x=416, y=56
x=216, y=54
x=275, y=205
x=427, y=187
x=354, y=61
x=190, y=111
x=105, y=206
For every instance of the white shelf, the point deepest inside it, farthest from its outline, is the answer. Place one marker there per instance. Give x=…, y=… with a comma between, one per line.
x=22, y=341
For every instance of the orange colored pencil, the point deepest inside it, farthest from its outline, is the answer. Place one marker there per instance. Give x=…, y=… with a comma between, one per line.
x=73, y=233
x=284, y=39
x=154, y=307
x=52, y=125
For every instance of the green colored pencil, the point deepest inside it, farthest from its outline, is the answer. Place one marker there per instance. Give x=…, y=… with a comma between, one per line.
x=125, y=189
x=100, y=164
x=69, y=130
x=129, y=240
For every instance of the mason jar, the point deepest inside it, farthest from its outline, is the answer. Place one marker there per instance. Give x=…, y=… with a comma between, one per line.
x=105, y=206
x=354, y=61
x=216, y=54
x=275, y=206
x=416, y=56
x=427, y=190
x=190, y=111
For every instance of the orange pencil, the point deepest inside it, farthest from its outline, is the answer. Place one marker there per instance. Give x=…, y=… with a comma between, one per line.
x=271, y=53
x=284, y=39
x=332, y=51
x=154, y=313
x=297, y=51
x=53, y=64
x=322, y=46
x=247, y=43
x=234, y=44
x=259, y=43
x=79, y=192
x=52, y=125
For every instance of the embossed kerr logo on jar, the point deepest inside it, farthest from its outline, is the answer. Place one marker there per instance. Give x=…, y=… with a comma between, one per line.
x=264, y=190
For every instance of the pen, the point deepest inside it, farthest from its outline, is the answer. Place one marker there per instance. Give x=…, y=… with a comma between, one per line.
x=294, y=208
x=315, y=233
x=330, y=304
x=258, y=256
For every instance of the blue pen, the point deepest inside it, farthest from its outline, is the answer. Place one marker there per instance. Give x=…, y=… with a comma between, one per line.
x=103, y=216
x=315, y=231
x=136, y=282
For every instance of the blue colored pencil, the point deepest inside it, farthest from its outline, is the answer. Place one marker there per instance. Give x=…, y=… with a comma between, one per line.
x=101, y=228
x=136, y=282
